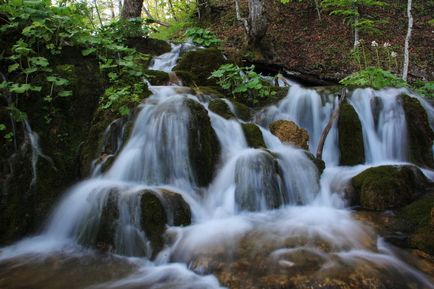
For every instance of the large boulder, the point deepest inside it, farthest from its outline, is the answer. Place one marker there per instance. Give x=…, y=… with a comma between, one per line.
x=258, y=181
x=148, y=45
x=289, y=132
x=351, y=146
x=62, y=127
x=388, y=187
x=204, y=147
x=253, y=135
x=158, y=209
x=420, y=134
x=198, y=65
x=220, y=107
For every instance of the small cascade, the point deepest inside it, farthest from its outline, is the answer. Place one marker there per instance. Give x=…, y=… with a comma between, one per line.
x=33, y=140
x=166, y=62
x=383, y=122
x=309, y=110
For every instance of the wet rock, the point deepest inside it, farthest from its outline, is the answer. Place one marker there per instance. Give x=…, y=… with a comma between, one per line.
x=253, y=135
x=351, y=146
x=242, y=111
x=388, y=187
x=289, y=132
x=204, y=147
x=221, y=108
x=106, y=231
x=177, y=210
x=148, y=45
x=213, y=91
x=258, y=182
x=420, y=134
x=156, y=77
x=200, y=64
x=320, y=164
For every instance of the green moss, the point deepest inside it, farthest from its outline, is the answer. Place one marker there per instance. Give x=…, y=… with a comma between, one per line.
x=350, y=137
x=201, y=63
x=242, y=111
x=153, y=220
x=149, y=45
x=420, y=134
x=187, y=78
x=388, y=187
x=416, y=220
x=157, y=77
x=221, y=108
x=204, y=148
x=253, y=135
x=210, y=91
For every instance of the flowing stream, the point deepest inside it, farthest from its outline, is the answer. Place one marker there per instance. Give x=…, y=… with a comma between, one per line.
x=268, y=206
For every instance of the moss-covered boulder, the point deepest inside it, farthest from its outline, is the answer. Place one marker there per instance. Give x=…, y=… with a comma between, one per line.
x=242, y=111
x=156, y=77
x=148, y=45
x=258, y=182
x=289, y=132
x=204, y=147
x=415, y=220
x=352, y=151
x=388, y=187
x=200, y=64
x=253, y=135
x=420, y=134
x=320, y=164
x=220, y=107
x=178, y=212
x=61, y=132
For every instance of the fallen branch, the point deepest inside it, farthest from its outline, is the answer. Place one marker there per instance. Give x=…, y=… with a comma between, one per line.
x=329, y=125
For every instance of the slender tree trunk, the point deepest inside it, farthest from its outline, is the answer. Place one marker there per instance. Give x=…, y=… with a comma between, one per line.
x=132, y=9
x=356, y=32
x=97, y=12
x=148, y=14
x=329, y=125
x=318, y=11
x=203, y=8
x=256, y=24
x=407, y=41
x=120, y=5
x=172, y=10
x=112, y=9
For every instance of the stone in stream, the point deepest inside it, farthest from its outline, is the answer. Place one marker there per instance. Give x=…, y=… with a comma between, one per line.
x=253, y=135
x=387, y=187
x=220, y=107
x=351, y=145
x=258, y=181
x=158, y=209
x=204, y=147
x=288, y=132
x=420, y=134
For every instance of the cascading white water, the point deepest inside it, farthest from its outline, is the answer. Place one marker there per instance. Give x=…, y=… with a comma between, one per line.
x=166, y=62
x=311, y=111
x=269, y=199
x=383, y=122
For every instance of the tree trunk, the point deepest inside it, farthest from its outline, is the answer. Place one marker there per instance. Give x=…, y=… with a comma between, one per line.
x=407, y=41
x=329, y=125
x=356, y=32
x=203, y=9
x=256, y=24
x=132, y=9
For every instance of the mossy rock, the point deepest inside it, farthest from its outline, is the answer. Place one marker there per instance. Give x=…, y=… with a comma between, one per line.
x=178, y=212
x=221, y=108
x=289, y=132
x=204, y=147
x=187, y=78
x=388, y=187
x=106, y=231
x=420, y=134
x=213, y=91
x=201, y=63
x=242, y=111
x=253, y=135
x=156, y=77
x=319, y=164
x=149, y=45
x=351, y=147
x=416, y=221
x=265, y=190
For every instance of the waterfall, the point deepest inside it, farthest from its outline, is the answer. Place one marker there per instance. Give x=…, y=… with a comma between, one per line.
x=265, y=207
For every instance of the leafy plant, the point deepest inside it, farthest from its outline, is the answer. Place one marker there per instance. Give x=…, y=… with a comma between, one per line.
x=242, y=82
x=202, y=37
x=426, y=88
x=374, y=77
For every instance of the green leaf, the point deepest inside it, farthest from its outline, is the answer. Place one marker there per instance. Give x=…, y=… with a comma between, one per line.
x=13, y=67
x=20, y=88
x=88, y=51
x=65, y=93
x=2, y=127
x=39, y=61
x=58, y=81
